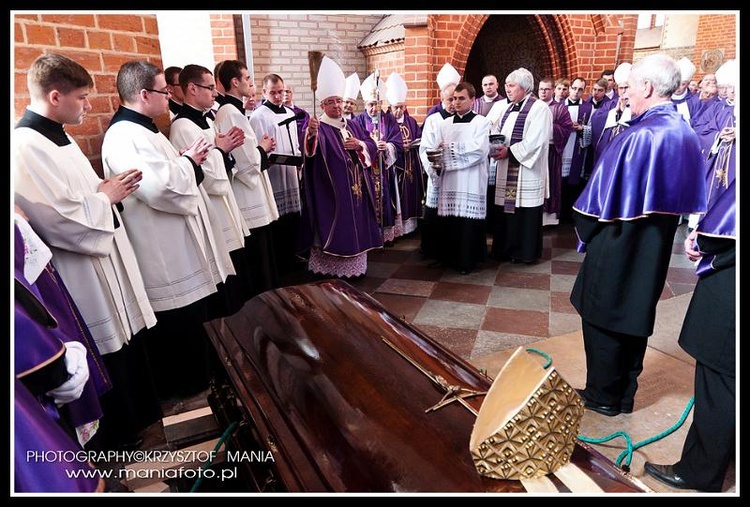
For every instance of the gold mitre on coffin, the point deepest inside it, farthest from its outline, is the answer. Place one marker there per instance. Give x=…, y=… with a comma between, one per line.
x=528, y=423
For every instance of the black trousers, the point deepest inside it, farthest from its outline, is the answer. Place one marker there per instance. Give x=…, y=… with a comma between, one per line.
x=132, y=404
x=613, y=363
x=709, y=445
x=429, y=233
x=180, y=351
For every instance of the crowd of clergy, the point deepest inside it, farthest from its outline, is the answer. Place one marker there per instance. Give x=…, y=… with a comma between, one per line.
x=188, y=225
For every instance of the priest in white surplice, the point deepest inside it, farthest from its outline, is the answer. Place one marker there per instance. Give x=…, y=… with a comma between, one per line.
x=430, y=226
x=274, y=119
x=522, y=169
x=168, y=223
x=193, y=120
x=250, y=181
x=462, y=198
x=76, y=214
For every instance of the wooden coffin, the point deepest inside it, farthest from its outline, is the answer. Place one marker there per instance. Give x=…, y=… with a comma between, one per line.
x=335, y=388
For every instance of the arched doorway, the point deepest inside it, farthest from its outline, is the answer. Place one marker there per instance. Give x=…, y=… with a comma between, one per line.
x=507, y=42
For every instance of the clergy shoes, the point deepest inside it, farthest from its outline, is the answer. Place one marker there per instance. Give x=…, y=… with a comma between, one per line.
x=666, y=474
x=608, y=410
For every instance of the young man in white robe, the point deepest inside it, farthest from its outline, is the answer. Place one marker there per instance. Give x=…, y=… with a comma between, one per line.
x=192, y=121
x=250, y=182
x=168, y=222
x=78, y=215
x=274, y=119
x=462, y=199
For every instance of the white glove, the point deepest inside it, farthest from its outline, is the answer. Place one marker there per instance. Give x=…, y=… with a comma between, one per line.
x=78, y=369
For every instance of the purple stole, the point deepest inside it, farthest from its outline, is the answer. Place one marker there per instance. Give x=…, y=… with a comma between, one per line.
x=511, y=185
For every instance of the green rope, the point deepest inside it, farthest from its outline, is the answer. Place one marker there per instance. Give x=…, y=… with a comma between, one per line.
x=544, y=355
x=218, y=445
x=630, y=447
x=661, y=435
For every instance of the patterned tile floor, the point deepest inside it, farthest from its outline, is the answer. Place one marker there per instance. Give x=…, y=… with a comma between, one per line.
x=498, y=306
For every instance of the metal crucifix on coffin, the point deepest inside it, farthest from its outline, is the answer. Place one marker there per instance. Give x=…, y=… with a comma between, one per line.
x=452, y=392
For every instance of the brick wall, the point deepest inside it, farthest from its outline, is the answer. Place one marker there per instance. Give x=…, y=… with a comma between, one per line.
x=280, y=44
x=715, y=33
x=99, y=42
x=225, y=42
x=592, y=43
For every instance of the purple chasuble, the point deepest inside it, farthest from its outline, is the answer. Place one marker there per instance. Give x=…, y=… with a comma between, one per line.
x=339, y=196
x=562, y=127
x=721, y=163
x=409, y=171
x=390, y=133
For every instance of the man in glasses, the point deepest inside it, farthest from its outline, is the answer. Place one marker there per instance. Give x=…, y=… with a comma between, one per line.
x=195, y=120
x=170, y=227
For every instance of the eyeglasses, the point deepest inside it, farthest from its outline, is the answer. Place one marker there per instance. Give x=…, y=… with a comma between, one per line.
x=212, y=87
x=330, y=102
x=163, y=92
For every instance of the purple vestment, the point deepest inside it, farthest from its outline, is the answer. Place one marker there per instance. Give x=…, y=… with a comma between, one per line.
x=36, y=343
x=585, y=109
x=562, y=127
x=654, y=166
x=339, y=202
x=301, y=123
x=409, y=173
x=390, y=133
x=37, y=437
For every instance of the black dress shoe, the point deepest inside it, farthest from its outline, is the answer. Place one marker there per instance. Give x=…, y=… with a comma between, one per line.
x=608, y=410
x=667, y=475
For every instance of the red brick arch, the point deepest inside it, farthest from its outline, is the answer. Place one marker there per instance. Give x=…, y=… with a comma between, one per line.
x=555, y=30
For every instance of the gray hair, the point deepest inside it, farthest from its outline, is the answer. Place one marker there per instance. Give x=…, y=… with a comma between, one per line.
x=661, y=70
x=522, y=78
x=133, y=77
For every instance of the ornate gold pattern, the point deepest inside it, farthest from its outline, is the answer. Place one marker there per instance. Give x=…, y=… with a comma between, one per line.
x=539, y=439
x=354, y=172
x=406, y=136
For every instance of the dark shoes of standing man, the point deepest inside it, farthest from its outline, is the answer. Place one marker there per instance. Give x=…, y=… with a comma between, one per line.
x=608, y=410
x=667, y=475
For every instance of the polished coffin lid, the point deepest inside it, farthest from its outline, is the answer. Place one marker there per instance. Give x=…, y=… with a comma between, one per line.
x=338, y=387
